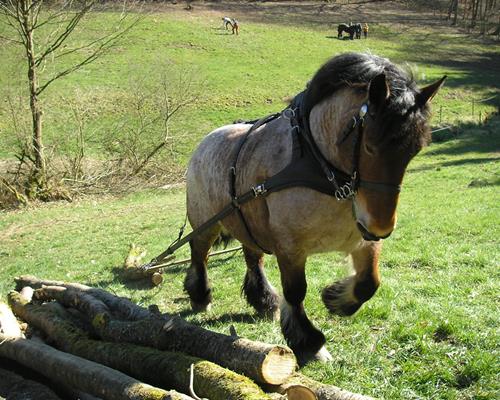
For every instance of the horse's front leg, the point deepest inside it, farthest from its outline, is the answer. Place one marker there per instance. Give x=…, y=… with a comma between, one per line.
x=304, y=339
x=345, y=297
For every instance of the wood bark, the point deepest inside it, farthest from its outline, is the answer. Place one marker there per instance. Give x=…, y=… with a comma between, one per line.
x=80, y=373
x=160, y=368
x=261, y=362
x=122, y=306
x=15, y=387
x=301, y=387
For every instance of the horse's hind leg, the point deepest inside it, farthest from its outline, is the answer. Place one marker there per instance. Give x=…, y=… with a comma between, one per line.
x=196, y=281
x=304, y=339
x=258, y=291
x=345, y=297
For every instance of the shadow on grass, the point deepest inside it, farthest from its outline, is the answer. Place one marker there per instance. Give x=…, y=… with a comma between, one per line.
x=246, y=318
x=119, y=277
x=468, y=138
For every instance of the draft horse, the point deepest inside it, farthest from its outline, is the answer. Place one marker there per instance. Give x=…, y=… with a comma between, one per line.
x=364, y=119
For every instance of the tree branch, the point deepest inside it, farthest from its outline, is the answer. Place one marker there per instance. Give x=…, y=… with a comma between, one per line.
x=105, y=46
x=67, y=31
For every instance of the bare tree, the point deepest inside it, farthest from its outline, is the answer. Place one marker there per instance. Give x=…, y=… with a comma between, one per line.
x=42, y=28
x=157, y=98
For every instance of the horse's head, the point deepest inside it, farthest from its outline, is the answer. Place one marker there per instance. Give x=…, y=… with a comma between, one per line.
x=393, y=130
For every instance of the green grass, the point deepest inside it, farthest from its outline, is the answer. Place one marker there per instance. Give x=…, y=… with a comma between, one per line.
x=432, y=329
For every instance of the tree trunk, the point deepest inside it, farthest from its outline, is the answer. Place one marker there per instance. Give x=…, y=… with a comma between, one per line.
x=160, y=368
x=87, y=376
x=259, y=361
x=455, y=12
x=15, y=387
x=475, y=8
x=300, y=387
x=39, y=176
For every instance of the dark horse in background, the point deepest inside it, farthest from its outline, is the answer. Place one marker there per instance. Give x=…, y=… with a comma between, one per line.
x=296, y=222
x=352, y=30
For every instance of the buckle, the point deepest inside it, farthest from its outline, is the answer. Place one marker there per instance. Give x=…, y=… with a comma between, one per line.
x=259, y=190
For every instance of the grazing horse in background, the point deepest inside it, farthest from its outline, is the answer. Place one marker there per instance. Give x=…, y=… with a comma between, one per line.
x=350, y=29
x=226, y=21
x=357, y=30
x=298, y=221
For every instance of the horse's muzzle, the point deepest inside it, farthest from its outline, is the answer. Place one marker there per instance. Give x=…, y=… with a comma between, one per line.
x=368, y=235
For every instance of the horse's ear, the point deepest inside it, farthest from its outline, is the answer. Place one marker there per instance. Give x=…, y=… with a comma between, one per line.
x=378, y=91
x=427, y=93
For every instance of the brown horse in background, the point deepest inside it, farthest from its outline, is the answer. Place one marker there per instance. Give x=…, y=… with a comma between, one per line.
x=296, y=222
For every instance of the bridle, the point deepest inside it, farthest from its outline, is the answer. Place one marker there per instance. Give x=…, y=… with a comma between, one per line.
x=345, y=185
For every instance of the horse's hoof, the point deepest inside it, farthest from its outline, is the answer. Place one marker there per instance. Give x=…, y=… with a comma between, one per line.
x=323, y=355
x=338, y=299
x=200, y=307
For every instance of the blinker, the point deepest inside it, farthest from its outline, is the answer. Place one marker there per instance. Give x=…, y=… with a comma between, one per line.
x=363, y=110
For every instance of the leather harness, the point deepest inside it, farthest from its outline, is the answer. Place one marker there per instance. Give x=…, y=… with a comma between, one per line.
x=308, y=168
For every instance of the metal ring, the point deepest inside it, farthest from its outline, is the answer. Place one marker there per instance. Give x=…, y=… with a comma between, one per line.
x=288, y=113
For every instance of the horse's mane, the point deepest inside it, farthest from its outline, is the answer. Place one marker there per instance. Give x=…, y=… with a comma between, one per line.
x=360, y=68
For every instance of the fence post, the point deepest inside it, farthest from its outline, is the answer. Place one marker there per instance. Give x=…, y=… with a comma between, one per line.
x=472, y=108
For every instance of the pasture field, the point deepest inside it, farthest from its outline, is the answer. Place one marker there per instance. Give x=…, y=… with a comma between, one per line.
x=239, y=77
x=432, y=329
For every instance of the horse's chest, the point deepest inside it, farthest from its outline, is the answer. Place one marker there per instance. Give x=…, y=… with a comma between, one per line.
x=314, y=222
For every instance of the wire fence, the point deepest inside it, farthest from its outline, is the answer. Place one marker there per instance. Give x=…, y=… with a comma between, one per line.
x=473, y=111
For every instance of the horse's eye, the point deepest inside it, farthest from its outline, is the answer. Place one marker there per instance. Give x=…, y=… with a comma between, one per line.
x=369, y=150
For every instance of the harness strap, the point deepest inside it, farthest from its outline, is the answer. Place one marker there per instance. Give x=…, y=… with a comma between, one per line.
x=236, y=201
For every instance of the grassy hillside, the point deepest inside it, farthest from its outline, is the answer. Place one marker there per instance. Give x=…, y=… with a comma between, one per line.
x=431, y=331
x=239, y=77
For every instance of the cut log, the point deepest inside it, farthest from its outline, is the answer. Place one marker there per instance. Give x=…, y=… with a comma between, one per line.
x=16, y=387
x=82, y=374
x=301, y=387
x=126, y=308
x=8, y=322
x=262, y=362
x=160, y=368
x=132, y=270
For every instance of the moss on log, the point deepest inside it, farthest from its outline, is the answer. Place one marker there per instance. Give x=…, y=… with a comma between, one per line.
x=261, y=362
x=160, y=368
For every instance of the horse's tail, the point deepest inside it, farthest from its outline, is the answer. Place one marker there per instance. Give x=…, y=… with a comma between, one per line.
x=223, y=240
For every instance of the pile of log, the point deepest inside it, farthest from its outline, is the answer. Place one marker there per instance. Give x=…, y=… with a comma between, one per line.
x=88, y=343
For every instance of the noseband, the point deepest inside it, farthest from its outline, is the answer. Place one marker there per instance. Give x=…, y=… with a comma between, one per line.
x=345, y=185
